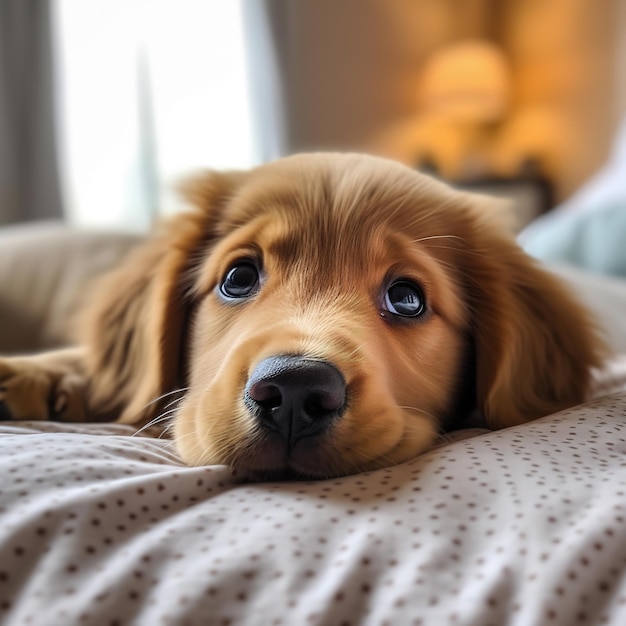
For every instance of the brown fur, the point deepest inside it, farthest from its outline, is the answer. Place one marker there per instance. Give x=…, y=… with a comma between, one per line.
x=331, y=230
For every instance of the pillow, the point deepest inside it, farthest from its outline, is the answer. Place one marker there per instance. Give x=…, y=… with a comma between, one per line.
x=588, y=229
x=593, y=240
x=44, y=270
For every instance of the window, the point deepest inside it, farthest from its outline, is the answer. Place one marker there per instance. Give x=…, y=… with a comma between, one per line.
x=148, y=90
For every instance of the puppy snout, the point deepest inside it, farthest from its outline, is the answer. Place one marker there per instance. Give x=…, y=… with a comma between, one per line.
x=295, y=396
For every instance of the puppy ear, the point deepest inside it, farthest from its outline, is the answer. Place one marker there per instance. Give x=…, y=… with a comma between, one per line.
x=134, y=326
x=535, y=344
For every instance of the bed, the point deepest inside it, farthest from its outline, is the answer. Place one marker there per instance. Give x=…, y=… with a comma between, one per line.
x=101, y=525
x=521, y=526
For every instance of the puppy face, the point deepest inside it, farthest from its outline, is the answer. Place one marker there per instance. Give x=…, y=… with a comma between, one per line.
x=337, y=312
x=339, y=288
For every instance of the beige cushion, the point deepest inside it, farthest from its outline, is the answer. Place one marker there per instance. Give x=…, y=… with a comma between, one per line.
x=44, y=269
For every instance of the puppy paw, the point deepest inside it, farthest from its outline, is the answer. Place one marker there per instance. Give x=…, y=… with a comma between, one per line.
x=32, y=391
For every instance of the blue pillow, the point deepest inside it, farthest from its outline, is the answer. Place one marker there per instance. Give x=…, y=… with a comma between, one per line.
x=594, y=240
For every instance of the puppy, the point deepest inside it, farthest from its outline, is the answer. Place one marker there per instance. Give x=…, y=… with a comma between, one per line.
x=317, y=316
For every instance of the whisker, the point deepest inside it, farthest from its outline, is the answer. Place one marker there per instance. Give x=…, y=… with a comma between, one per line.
x=475, y=252
x=175, y=401
x=438, y=237
x=167, y=430
x=162, y=417
x=165, y=395
x=444, y=438
x=161, y=397
x=417, y=410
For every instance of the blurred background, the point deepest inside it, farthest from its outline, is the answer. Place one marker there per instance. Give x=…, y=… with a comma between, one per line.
x=105, y=103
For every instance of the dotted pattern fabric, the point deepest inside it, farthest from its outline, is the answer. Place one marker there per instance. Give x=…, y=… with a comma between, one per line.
x=520, y=526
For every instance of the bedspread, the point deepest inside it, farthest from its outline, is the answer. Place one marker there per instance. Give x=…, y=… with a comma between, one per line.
x=520, y=526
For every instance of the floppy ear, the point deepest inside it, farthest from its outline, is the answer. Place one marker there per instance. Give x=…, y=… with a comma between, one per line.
x=134, y=327
x=535, y=344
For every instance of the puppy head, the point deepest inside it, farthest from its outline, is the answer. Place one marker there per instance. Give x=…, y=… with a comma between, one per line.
x=332, y=313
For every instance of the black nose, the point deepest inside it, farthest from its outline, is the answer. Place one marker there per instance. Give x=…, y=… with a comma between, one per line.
x=295, y=396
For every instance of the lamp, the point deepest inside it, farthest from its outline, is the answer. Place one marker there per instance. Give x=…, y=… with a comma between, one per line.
x=467, y=82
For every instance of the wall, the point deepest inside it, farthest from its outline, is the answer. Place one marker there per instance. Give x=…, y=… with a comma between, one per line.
x=350, y=69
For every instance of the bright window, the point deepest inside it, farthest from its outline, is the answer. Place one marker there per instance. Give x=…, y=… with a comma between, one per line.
x=148, y=90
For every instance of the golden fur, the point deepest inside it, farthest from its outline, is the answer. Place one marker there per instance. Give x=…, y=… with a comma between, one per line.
x=499, y=334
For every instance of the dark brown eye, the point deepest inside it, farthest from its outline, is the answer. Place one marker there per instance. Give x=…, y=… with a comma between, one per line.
x=405, y=299
x=241, y=281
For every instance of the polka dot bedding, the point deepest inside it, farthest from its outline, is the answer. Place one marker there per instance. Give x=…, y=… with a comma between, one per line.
x=522, y=526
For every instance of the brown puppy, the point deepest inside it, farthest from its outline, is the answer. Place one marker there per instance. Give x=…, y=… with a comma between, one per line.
x=320, y=315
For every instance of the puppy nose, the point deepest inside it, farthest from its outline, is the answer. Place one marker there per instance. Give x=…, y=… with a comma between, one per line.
x=295, y=396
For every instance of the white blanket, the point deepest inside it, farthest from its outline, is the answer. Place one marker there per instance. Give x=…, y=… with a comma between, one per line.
x=521, y=526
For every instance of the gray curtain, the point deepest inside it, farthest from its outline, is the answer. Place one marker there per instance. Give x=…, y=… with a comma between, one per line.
x=29, y=179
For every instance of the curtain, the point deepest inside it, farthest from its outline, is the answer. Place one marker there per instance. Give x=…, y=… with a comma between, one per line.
x=105, y=104
x=29, y=182
x=265, y=33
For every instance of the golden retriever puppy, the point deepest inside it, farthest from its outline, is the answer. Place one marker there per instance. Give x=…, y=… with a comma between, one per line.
x=320, y=315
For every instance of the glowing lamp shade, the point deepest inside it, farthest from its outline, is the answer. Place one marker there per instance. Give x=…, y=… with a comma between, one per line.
x=466, y=82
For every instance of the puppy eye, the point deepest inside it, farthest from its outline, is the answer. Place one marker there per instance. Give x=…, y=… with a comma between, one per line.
x=240, y=281
x=405, y=299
